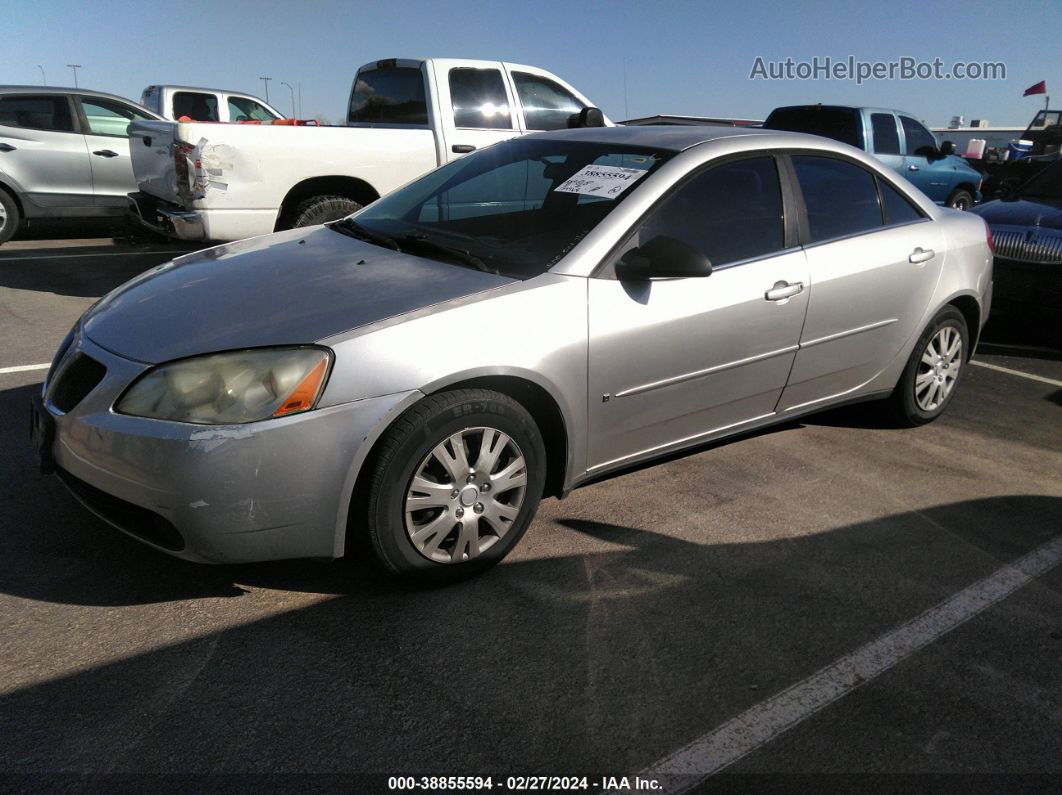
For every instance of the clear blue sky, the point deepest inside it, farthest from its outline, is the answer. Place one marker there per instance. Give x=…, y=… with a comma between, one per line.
x=681, y=57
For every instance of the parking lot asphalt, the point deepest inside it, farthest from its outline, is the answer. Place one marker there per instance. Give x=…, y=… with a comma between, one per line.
x=692, y=617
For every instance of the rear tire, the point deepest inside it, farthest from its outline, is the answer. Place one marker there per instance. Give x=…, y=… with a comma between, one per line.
x=9, y=216
x=933, y=372
x=960, y=199
x=322, y=209
x=438, y=513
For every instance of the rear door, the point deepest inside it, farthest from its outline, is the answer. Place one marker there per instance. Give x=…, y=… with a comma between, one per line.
x=885, y=139
x=106, y=125
x=42, y=150
x=476, y=105
x=874, y=259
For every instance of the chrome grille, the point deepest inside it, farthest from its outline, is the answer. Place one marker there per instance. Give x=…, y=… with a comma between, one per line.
x=1023, y=244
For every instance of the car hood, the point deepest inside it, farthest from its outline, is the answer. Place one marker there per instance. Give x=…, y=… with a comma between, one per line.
x=289, y=288
x=1046, y=213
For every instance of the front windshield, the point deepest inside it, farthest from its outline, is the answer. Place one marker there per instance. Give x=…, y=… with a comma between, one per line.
x=1045, y=185
x=517, y=207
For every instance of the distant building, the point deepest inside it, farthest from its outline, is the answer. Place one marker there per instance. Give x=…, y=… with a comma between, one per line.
x=710, y=121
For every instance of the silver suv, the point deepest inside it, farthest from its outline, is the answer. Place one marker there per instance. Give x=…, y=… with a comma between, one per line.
x=64, y=153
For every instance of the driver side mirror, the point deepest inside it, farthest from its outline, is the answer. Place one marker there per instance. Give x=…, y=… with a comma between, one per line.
x=587, y=117
x=947, y=148
x=662, y=257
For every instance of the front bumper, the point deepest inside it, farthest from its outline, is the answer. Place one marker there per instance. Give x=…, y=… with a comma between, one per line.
x=167, y=219
x=215, y=494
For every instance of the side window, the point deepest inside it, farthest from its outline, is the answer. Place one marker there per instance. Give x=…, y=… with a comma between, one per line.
x=895, y=206
x=841, y=197
x=479, y=100
x=919, y=139
x=389, y=96
x=196, y=106
x=244, y=109
x=150, y=98
x=547, y=105
x=105, y=117
x=46, y=112
x=730, y=212
x=886, y=139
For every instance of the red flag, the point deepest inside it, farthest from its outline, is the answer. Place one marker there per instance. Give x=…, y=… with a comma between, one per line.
x=1039, y=88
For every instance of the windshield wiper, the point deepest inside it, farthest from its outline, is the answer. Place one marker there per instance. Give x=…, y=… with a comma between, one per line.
x=459, y=254
x=348, y=226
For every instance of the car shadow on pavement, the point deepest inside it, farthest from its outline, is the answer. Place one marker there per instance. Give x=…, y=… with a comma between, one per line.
x=615, y=655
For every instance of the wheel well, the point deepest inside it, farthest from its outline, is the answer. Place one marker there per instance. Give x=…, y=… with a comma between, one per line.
x=971, y=313
x=349, y=187
x=539, y=404
x=968, y=187
x=14, y=197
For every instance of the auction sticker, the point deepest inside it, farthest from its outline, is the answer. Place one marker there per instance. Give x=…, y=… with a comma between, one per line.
x=605, y=181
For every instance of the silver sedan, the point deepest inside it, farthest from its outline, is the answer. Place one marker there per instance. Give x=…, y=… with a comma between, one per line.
x=542, y=312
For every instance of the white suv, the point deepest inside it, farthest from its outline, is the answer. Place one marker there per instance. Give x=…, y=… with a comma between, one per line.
x=64, y=153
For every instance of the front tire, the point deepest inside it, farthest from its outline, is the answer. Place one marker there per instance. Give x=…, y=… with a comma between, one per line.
x=9, y=217
x=933, y=372
x=960, y=199
x=455, y=483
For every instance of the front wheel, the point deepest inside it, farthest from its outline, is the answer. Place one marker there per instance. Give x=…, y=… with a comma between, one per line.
x=455, y=484
x=960, y=199
x=934, y=370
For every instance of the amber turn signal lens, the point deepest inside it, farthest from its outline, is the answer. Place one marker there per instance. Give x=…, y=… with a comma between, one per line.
x=304, y=395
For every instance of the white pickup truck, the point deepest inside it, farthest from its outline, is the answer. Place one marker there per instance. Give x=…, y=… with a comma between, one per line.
x=209, y=181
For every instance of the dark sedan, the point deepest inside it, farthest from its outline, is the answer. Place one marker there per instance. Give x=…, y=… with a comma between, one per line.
x=1027, y=231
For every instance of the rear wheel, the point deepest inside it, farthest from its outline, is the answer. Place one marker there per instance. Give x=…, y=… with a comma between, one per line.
x=934, y=370
x=322, y=209
x=455, y=484
x=960, y=199
x=9, y=216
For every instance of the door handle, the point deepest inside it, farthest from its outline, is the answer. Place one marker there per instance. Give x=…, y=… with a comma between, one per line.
x=920, y=255
x=912, y=168
x=462, y=149
x=7, y=148
x=105, y=153
x=783, y=290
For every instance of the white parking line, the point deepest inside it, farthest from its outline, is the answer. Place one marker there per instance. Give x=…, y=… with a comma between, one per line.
x=100, y=254
x=1008, y=371
x=22, y=368
x=690, y=766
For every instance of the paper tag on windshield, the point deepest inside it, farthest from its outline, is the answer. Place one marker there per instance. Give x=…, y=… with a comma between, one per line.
x=605, y=181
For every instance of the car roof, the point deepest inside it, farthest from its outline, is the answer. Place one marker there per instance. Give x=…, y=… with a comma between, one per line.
x=814, y=106
x=202, y=88
x=85, y=92
x=675, y=137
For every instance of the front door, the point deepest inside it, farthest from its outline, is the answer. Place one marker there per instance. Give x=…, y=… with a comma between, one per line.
x=923, y=165
x=874, y=264
x=673, y=361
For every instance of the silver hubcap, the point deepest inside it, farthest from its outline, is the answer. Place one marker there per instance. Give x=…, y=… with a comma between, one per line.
x=938, y=369
x=465, y=495
x=3, y=217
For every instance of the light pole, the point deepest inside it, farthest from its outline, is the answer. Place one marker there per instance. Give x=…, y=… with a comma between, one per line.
x=43, y=77
x=75, y=67
x=300, y=99
x=266, y=81
x=294, y=115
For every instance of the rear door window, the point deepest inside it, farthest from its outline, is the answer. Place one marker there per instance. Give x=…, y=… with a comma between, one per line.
x=840, y=124
x=479, y=99
x=389, y=97
x=244, y=109
x=886, y=139
x=920, y=141
x=44, y=112
x=841, y=197
x=196, y=106
x=105, y=117
x=547, y=105
x=896, y=207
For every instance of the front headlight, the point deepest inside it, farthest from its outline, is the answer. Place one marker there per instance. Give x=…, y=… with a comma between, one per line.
x=230, y=388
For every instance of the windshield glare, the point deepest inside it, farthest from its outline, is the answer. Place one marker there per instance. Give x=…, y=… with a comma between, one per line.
x=501, y=205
